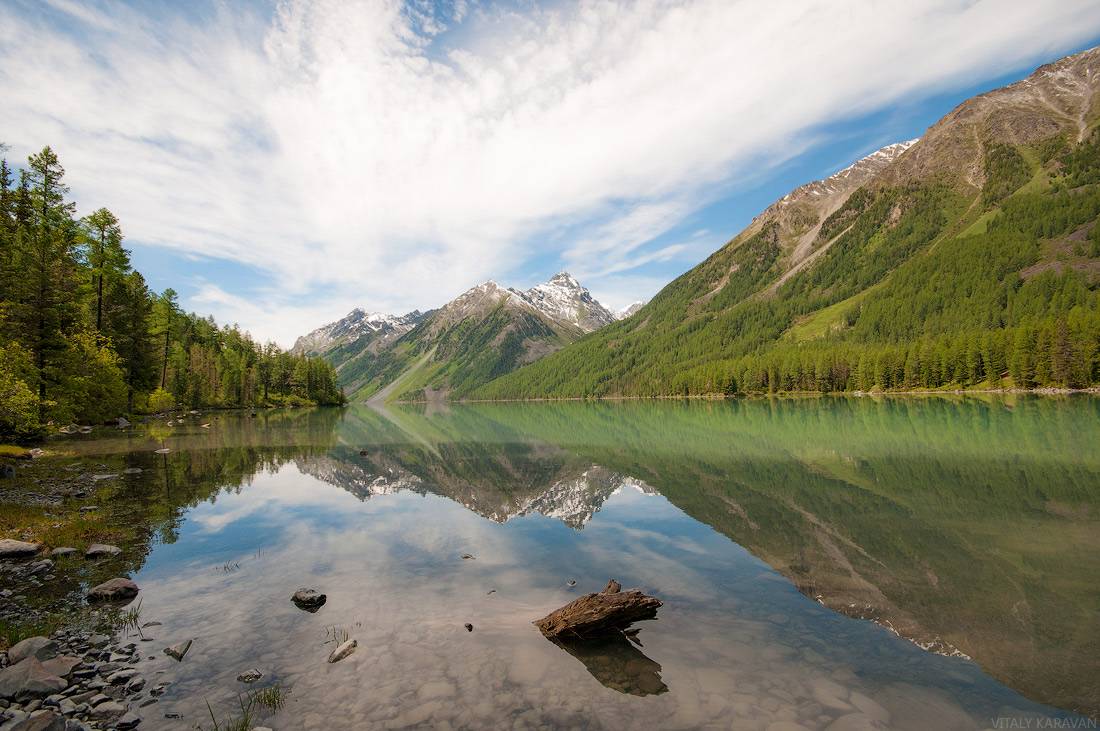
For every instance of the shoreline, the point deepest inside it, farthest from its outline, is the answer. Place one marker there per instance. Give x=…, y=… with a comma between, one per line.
x=1091, y=390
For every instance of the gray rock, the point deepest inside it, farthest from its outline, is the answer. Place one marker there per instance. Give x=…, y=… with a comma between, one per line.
x=11, y=548
x=122, y=676
x=176, y=652
x=108, y=710
x=128, y=721
x=99, y=550
x=135, y=685
x=343, y=651
x=61, y=666
x=42, y=721
x=40, y=648
x=250, y=676
x=28, y=680
x=62, y=551
x=308, y=599
x=114, y=590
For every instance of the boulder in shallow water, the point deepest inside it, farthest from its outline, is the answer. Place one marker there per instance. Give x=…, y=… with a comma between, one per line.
x=28, y=679
x=593, y=615
x=114, y=590
x=343, y=651
x=309, y=600
x=176, y=652
x=11, y=548
x=40, y=648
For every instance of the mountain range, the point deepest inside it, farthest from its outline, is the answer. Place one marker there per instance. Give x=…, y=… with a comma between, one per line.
x=487, y=331
x=966, y=258
x=969, y=258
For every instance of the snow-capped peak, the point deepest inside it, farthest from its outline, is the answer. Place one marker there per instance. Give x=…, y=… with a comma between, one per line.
x=562, y=298
x=356, y=324
x=628, y=310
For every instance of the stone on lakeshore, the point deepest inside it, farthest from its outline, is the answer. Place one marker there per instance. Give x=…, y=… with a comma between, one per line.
x=309, y=599
x=176, y=652
x=250, y=676
x=122, y=676
x=41, y=721
x=61, y=666
x=114, y=590
x=28, y=680
x=62, y=551
x=127, y=721
x=108, y=710
x=343, y=651
x=40, y=648
x=593, y=615
x=99, y=550
x=11, y=548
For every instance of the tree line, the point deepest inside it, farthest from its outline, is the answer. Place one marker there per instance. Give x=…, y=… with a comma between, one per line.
x=84, y=339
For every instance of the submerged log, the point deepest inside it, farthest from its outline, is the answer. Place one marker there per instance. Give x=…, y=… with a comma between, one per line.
x=594, y=615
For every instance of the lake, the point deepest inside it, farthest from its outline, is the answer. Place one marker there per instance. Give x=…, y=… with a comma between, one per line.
x=910, y=563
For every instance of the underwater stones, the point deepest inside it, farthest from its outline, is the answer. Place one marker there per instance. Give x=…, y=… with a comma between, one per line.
x=593, y=615
x=11, y=548
x=99, y=550
x=176, y=652
x=309, y=600
x=114, y=590
x=343, y=651
x=250, y=676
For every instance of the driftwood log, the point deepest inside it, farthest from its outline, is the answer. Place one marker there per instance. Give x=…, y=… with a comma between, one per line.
x=594, y=615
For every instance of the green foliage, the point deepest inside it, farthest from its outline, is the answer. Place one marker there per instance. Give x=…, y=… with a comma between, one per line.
x=161, y=401
x=18, y=403
x=1006, y=171
x=85, y=339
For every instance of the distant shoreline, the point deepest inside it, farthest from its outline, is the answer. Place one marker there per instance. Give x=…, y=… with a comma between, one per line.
x=1093, y=390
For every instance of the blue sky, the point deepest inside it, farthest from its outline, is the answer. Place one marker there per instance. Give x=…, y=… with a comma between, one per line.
x=280, y=163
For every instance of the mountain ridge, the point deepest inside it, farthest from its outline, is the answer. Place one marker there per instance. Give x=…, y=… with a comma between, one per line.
x=968, y=258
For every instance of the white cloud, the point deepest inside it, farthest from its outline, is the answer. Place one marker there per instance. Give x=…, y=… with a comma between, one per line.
x=343, y=149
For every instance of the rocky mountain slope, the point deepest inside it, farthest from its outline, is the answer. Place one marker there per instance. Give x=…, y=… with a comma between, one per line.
x=483, y=333
x=968, y=258
x=354, y=326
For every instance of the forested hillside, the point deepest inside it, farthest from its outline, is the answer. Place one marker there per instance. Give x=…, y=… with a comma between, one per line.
x=83, y=339
x=970, y=260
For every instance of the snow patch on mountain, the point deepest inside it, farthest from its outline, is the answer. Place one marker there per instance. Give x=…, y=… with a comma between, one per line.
x=356, y=324
x=628, y=310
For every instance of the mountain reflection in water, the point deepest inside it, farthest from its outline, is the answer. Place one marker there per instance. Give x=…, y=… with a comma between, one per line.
x=969, y=526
